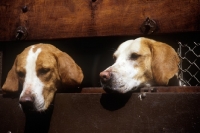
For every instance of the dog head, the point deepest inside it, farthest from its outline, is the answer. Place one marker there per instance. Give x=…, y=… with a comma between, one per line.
x=41, y=69
x=140, y=62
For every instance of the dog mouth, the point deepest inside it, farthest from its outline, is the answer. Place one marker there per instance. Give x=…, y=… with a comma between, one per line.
x=29, y=103
x=108, y=89
x=27, y=106
x=113, y=84
x=118, y=87
x=114, y=88
x=122, y=90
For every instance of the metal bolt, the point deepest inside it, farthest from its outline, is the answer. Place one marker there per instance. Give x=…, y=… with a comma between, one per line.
x=149, y=26
x=24, y=9
x=21, y=33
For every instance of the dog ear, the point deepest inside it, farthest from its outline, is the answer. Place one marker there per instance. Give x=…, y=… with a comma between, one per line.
x=70, y=73
x=12, y=83
x=164, y=62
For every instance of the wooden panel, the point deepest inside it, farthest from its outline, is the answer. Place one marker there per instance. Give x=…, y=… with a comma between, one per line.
x=113, y=113
x=56, y=19
x=94, y=111
x=11, y=116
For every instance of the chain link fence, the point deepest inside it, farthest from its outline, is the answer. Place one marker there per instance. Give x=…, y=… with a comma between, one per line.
x=189, y=67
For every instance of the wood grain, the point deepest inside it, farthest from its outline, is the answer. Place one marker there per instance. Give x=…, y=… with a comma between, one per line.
x=90, y=112
x=58, y=19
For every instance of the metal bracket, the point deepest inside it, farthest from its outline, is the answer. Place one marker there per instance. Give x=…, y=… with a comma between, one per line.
x=21, y=33
x=148, y=89
x=149, y=26
x=144, y=91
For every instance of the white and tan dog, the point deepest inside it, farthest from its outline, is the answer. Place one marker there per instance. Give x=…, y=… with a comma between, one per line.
x=140, y=62
x=41, y=69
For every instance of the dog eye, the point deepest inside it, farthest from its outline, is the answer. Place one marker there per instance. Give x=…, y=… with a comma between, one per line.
x=21, y=74
x=134, y=56
x=43, y=71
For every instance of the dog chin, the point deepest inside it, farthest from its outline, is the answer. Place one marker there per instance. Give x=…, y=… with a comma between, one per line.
x=33, y=108
x=123, y=90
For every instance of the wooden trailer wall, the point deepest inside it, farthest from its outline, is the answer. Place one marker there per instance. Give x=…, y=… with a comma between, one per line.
x=58, y=19
x=90, y=31
x=93, y=111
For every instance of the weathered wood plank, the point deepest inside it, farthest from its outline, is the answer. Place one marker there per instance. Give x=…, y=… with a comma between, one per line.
x=113, y=113
x=57, y=19
x=92, y=111
x=11, y=116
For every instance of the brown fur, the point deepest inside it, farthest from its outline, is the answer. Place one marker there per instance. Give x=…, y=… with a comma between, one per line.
x=140, y=62
x=11, y=84
x=164, y=63
x=62, y=71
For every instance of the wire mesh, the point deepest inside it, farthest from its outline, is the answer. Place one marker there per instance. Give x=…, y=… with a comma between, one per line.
x=189, y=67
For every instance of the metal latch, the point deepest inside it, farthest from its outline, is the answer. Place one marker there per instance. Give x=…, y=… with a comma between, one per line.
x=148, y=89
x=144, y=91
x=149, y=26
x=21, y=33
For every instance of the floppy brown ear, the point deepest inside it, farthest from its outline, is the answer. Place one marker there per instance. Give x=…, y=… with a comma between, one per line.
x=164, y=62
x=70, y=73
x=12, y=83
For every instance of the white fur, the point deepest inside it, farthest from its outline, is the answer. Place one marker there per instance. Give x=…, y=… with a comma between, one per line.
x=140, y=63
x=123, y=71
x=32, y=83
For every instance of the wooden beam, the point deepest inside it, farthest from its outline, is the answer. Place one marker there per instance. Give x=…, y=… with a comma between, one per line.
x=57, y=19
x=98, y=112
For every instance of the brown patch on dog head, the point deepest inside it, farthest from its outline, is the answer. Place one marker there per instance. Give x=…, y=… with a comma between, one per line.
x=12, y=83
x=47, y=72
x=164, y=61
x=143, y=63
x=56, y=69
x=70, y=73
x=17, y=73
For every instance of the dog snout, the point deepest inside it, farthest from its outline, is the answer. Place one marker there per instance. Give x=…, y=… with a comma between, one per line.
x=27, y=101
x=105, y=76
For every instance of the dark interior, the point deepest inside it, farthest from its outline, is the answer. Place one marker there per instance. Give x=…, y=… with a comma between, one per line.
x=92, y=54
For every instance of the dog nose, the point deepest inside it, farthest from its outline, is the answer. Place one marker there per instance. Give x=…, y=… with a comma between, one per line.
x=27, y=101
x=105, y=76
